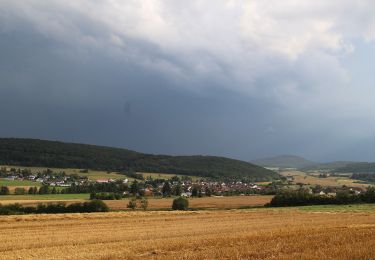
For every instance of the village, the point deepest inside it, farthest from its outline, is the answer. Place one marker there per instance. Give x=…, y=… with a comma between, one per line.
x=175, y=186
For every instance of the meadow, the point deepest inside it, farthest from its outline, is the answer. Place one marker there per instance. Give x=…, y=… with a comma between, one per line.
x=44, y=197
x=91, y=174
x=18, y=183
x=166, y=176
x=288, y=233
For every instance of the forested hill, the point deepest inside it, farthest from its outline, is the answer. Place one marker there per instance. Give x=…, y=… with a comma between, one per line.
x=358, y=167
x=32, y=152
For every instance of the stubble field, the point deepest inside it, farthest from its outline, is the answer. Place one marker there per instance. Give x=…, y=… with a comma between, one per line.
x=233, y=202
x=233, y=234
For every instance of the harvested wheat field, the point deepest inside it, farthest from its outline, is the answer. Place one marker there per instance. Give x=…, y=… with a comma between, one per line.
x=234, y=234
x=232, y=202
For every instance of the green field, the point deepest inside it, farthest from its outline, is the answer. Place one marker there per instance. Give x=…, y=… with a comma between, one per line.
x=95, y=175
x=9, y=183
x=82, y=196
x=166, y=176
x=92, y=174
x=335, y=208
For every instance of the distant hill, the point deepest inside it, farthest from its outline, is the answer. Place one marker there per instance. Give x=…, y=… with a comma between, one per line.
x=284, y=161
x=33, y=152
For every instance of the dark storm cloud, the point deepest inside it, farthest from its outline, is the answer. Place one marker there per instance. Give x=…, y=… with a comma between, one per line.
x=155, y=78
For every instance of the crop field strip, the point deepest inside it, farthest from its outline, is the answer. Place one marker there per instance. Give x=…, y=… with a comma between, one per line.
x=261, y=234
x=154, y=203
x=200, y=203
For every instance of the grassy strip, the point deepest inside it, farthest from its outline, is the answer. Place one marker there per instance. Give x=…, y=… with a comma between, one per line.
x=10, y=183
x=80, y=196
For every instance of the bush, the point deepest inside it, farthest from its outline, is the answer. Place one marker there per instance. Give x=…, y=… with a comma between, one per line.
x=105, y=196
x=144, y=203
x=180, y=203
x=4, y=190
x=132, y=204
x=33, y=190
x=19, y=191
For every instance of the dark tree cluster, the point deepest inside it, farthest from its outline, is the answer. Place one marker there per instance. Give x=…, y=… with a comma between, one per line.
x=105, y=196
x=303, y=198
x=368, y=177
x=53, y=208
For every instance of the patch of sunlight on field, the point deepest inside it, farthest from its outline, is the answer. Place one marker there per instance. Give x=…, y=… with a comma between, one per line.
x=165, y=175
x=95, y=175
x=92, y=174
x=304, y=178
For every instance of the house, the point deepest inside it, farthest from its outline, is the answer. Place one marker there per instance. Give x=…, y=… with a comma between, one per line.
x=102, y=180
x=186, y=194
x=356, y=190
x=147, y=192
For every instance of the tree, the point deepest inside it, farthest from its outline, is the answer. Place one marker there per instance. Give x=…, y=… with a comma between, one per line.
x=175, y=178
x=44, y=189
x=369, y=195
x=134, y=187
x=54, y=190
x=166, y=190
x=208, y=192
x=180, y=203
x=19, y=191
x=194, y=192
x=144, y=203
x=33, y=190
x=343, y=197
x=132, y=204
x=4, y=190
x=177, y=190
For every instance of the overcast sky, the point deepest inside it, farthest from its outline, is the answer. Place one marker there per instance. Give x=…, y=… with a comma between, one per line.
x=243, y=79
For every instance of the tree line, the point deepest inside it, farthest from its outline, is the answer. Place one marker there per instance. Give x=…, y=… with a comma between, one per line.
x=303, y=198
x=53, y=208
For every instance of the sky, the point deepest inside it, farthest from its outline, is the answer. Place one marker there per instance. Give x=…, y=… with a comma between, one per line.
x=241, y=79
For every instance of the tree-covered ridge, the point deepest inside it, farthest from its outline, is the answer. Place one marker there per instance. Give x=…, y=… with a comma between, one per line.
x=359, y=167
x=33, y=152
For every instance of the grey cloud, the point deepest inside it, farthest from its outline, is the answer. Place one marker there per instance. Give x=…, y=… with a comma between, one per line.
x=244, y=80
